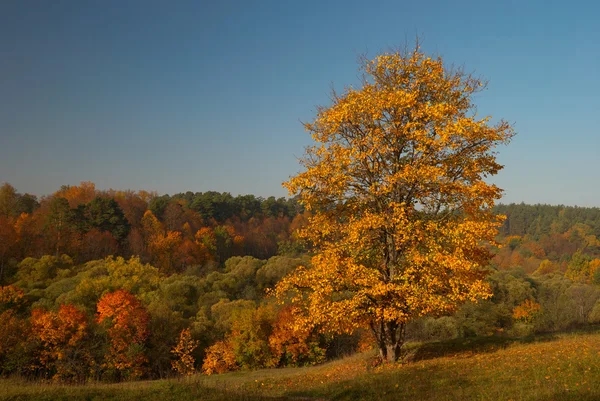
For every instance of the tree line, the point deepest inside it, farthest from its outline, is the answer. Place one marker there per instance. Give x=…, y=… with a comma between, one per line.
x=171, y=232
x=539, y=220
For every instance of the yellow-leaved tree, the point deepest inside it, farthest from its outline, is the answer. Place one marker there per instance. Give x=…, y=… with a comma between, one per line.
x=400, y=213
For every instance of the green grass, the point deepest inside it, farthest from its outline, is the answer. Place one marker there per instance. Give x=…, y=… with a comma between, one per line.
x=563, y=367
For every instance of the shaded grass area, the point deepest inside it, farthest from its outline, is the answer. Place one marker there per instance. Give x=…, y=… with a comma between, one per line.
x=477, y=345
x=170, y=390
x=563, y=367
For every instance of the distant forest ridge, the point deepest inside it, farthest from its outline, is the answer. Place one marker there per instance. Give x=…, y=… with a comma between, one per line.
x=171, y=232
x=538, y=220
x=522, y=218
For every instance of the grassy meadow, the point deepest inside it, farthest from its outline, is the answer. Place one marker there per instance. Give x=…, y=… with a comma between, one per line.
x=561, y=367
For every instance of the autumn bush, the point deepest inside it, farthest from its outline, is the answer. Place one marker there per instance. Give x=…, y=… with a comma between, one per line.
x=220, y=358
x=64, y=352
x=291, y=345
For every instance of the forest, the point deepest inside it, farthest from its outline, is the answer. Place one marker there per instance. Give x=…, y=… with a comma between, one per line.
x=121, y=285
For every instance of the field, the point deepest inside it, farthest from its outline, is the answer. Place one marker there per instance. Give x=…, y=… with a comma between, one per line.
x=562, y=367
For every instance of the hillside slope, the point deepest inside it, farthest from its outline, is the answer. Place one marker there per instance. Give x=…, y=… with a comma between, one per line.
x=564, y=367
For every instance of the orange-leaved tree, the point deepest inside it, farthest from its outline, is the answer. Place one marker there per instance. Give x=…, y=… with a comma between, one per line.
x=126, y=321
x=10, y=297
x=220, y=358
x=293, y=345
x=184, y=364
x=526, y=311
x=61, y=335
x=400, y=209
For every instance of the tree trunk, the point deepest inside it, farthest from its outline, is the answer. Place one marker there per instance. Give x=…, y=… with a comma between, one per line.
x=390, y=353
x=390, y=338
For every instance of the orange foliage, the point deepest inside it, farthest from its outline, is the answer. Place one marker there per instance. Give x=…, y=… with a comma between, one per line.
x=366, y=342
x=219, y=359
x=127, y=326
x=396, y=180
x=187, y=230
x=21, y=223
x=516, y=260
x=526, y=311
x=78, y=195
x=536, y=249
x=184, y=364
x=10, y=297
x=28, y=230
x=163, y=249
x=60, y=333
x=147, y=196
x=189, y=253
x=238, y=244
x=133, y=206
x=290, y=343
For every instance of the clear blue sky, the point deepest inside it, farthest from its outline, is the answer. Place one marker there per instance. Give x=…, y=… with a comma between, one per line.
x=176, y=96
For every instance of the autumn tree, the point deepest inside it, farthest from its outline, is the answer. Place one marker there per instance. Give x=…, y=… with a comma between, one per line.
x=132, y=205
x=61, y=335
x=164, y=250
x=184, y=364
x=29, y=229
x=11, y=297
x=151, y=227
x=400, y=210
x=526, y=311
x=126, y=322
x=77, y=195
x=293, y=345
x=220, y=358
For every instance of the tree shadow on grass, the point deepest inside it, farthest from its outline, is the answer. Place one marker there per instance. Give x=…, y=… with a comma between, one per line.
x=467, y=346
x=392, y=384
x=433, y=383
